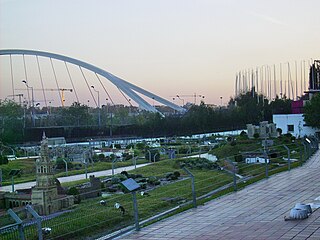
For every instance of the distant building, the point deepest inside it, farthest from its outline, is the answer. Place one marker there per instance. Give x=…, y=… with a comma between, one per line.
x=294, y=124
x=264, y=130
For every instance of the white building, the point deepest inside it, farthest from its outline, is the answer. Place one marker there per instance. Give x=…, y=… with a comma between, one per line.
x=256, y=160
x=294, y=124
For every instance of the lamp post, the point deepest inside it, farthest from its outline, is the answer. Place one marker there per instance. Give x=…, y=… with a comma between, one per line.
x=181, y=100
x=99, y=118
x=32, y=96
x=66, y=164
x=32, y=101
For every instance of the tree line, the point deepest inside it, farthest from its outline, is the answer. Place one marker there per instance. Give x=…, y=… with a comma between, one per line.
x=243, y=109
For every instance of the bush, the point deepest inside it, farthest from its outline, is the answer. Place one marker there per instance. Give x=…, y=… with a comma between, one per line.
x=73, y=191
x=256, y=135
x=140, y=146
x=101, y=157
x=238, y=158
x=3, y=160
x=61, y=164
x=177, y=173
x=287, y=135
x=115, y=180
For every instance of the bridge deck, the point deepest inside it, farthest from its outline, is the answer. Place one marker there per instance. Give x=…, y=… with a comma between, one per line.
x=256, y=212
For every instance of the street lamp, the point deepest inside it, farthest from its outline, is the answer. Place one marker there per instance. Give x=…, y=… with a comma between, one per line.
x=32, y=101
x=181, y=100
x=99, y=120
x=32, y=96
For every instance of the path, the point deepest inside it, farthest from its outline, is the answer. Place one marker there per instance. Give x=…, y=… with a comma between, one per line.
x=74, y=177
x=256, y=212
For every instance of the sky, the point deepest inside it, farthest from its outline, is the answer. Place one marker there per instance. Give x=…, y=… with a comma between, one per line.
x=168, y=47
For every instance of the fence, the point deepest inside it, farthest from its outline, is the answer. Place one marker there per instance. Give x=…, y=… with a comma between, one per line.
x=112, y=213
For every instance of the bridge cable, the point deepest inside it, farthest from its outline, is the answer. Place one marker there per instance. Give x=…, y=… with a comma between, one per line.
x=26, y=77
x=75, y=92
x=105, y=89
x=88, y=86
x=55, y=77
x=13, y=96
x=125, y=97
x=44, y=94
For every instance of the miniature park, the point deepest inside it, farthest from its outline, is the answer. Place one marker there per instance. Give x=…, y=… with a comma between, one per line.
x=178, y=173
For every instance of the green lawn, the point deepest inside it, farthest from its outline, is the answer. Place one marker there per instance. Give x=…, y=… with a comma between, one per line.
x=90, y=219
x=28, y=169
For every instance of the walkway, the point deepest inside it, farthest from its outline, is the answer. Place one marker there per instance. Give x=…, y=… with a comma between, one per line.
x=256, y=212
x=74, y=177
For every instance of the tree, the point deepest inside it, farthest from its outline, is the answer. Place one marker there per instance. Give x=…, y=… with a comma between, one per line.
x=11, y=121
x=312, y=111
x=77, y=114
x=250, y=108
x=281, y=106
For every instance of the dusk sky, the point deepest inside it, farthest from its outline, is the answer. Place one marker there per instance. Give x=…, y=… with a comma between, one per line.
x=168, y=47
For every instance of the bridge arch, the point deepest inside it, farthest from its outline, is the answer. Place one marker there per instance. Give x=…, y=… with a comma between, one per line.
x=128, y=88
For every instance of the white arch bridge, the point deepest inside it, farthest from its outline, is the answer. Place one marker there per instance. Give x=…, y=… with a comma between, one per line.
x=125, y=87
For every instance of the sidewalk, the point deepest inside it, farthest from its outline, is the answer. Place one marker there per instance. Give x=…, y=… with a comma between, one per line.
x=74, y=177
x=256, y=212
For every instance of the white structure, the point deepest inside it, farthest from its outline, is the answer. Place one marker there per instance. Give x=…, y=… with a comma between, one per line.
x=294, y=124
x=256, y=160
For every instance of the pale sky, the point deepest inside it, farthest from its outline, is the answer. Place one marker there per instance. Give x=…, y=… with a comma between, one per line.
x=168, y=47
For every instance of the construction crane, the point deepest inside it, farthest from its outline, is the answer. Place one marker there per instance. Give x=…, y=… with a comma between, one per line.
x=54, y=89
x=20, y=95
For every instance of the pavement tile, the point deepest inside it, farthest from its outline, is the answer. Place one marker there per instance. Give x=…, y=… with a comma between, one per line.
x=255, y=212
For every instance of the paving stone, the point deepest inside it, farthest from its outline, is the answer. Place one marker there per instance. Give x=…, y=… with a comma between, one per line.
x=255, y=212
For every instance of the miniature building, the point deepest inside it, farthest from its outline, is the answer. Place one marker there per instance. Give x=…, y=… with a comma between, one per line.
x=256, y=160
x=264, y=130
x=44, y=197
x=45, y=194
x=91, y=189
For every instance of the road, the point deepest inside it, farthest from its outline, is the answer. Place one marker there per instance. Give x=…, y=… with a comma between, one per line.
x=73, y=178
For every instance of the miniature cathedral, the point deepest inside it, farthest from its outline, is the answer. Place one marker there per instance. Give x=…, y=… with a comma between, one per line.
x=44, y=195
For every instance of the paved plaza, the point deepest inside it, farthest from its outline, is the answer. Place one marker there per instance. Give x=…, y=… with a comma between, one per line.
x=256, y=212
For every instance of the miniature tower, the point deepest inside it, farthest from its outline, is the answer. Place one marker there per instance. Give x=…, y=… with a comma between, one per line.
x=45, y=192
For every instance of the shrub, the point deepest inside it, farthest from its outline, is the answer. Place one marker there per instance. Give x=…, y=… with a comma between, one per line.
x=101, y=157
x=153, y=180
x=177, y=173
x=256, y=135
x=73, y=191
x=3, y=160
x=238, y=158
x=115, y=180
x=233, y=143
